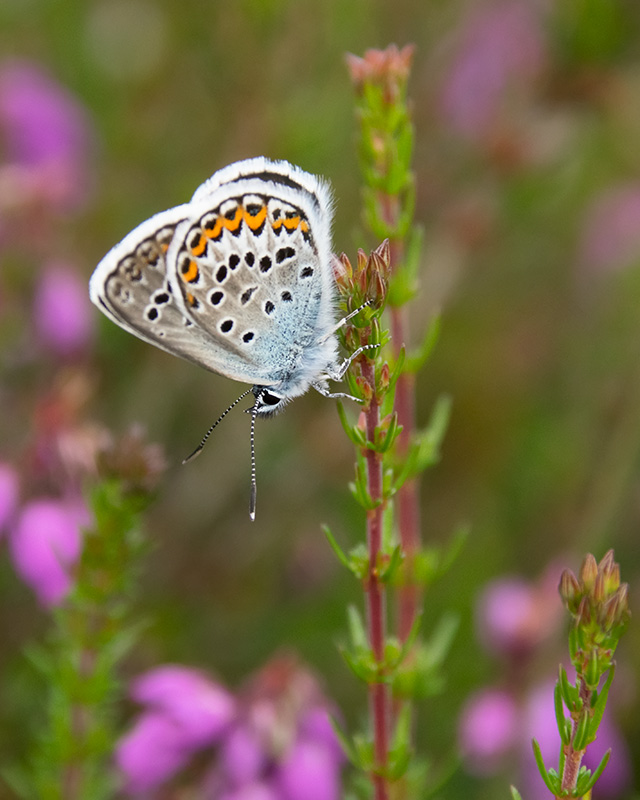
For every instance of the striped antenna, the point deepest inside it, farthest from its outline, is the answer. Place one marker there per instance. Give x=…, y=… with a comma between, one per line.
x=199, y=448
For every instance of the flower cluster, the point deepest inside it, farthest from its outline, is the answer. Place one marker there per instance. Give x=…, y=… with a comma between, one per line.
x=271, y=741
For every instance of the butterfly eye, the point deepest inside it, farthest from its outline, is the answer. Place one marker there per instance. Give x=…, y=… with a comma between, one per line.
x=270, y=399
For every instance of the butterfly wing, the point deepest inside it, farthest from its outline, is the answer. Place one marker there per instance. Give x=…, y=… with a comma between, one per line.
x=131, y=286
x=252, y=265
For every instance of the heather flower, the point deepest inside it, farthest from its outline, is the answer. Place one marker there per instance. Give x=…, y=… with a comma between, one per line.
x=539, y=722
x=487, y=729
x=610, y=238
x=500, y=48
x=8, y=494
x=185, y=712
x=275, y=742
x=513, y=616
x=45, y=544
x=46, y=133
x=62, y=314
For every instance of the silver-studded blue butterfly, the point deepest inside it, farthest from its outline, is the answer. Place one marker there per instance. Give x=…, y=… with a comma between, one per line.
x=239, y=280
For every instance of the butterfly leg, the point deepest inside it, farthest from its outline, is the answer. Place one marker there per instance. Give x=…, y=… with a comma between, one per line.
x=324, y=391
x=340, y=370
x=341, y=322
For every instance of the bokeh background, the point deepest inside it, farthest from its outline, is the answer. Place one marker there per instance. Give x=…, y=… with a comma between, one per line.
x=527, y=163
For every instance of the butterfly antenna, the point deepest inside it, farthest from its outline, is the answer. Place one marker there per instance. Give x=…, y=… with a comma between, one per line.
x=199, y=448
x=254, y=485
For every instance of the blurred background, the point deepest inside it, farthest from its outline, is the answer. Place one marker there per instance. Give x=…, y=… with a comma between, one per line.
x=527, y=163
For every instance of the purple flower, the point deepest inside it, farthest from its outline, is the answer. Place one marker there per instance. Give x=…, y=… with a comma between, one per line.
x=499, y=47
x=611, y=230
x=185, y=712
x=8, y=494
x=45, y=544
x=46, y=131
x=513, y=616
x=506, y=615
x=62, y=313
x=243, y=755
x=258, y=790
x=539, y=722
x=487, y=729
x=309, y=771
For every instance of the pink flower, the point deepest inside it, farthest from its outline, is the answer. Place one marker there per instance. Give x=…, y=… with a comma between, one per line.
x=309, y=771
x=185, y=712
x=46, y=132
x=202, y=708
x=611, y=230
x=8, y=494
x=62, y=313
x=500, y=47
x=487, y=729
x=506, y=615
x=151, y=752
x=514, y=616
x=45, y=544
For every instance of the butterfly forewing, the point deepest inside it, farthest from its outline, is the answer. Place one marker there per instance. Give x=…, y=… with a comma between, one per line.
x=248, y=270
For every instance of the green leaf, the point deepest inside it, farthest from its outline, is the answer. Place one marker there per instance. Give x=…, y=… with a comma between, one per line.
x=600, y=705
x=345, y=742
x=569, y=693
x=400, y=751
x=417, y=359
x=353, y=432
x=587, y=783
x=336, y=547
x=565, y=734
x=357, y=630
x=515, y=794
x=391, y=435
x=582, y=731
x=550, y=781
x=388, y=573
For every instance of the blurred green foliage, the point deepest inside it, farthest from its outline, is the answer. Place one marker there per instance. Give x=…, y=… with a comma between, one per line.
x=539, y=350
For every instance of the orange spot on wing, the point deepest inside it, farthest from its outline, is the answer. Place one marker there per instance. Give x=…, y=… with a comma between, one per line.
x=199, y=248
x=233, y=224
x=214, y=233
x=191, y=273
x=256, y=220
x=292, y=223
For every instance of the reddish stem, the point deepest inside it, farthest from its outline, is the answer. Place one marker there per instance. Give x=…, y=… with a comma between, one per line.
x=379, y=698
x=573, y=758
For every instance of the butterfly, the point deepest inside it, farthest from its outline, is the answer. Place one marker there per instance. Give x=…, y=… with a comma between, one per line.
x=240, y=281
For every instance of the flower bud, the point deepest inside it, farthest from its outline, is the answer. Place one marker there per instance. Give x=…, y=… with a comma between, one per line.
x=588, y=572
x=569, y=590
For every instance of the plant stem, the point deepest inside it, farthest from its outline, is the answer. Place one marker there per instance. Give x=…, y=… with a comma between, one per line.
x=573, y=758
x=379, y=698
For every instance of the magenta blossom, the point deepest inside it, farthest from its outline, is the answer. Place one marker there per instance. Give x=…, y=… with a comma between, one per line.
x=500, y=49
x=45, y=544
x=185, y=712
x=62, y=313
x=46, y=132
x=514, y=616
x=8, y=494
x=487, y=730
x=275, y=742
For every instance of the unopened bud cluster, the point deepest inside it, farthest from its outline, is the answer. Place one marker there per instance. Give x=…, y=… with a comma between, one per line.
x=599, y=604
